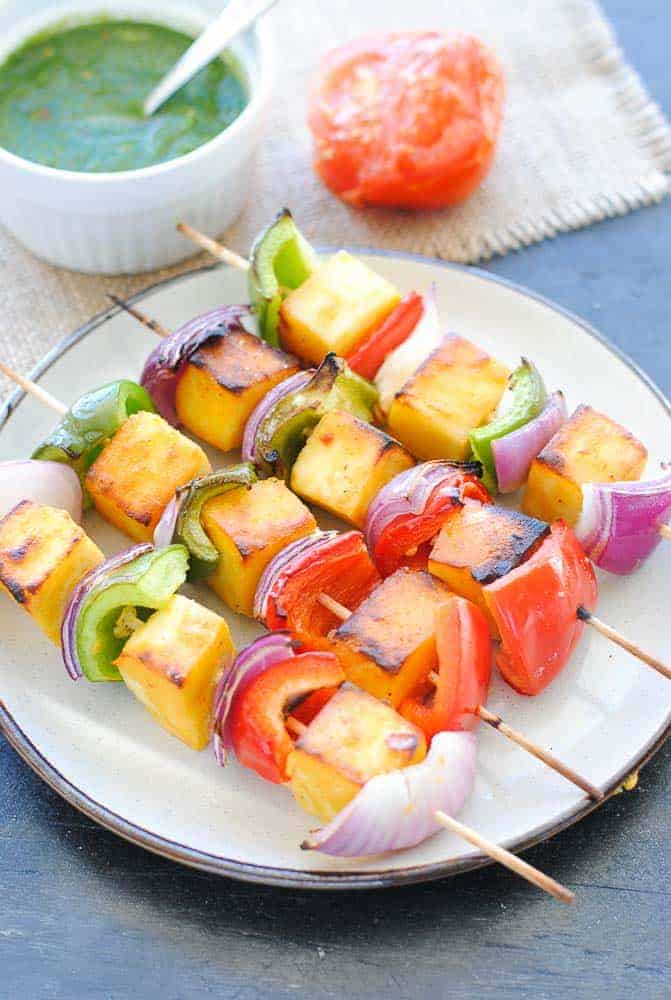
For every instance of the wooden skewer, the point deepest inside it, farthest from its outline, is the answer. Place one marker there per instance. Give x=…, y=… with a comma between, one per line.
x=504, y=857
x=496, y=722
x=216, y=249
x=495, y=852
x=152, y=324
x=620, y=640
x=34, y=390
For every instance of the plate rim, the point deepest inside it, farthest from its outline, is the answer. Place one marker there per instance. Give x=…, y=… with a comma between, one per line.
x=269, y=874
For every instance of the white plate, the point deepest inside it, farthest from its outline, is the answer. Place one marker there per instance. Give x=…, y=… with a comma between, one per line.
x=96, y=745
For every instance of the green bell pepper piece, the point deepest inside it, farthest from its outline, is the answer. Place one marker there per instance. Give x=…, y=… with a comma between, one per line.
x=528, y=397
x=147, y=582
x=90, y=423
x=284, y=431
x=280, y=258
x=189, y=529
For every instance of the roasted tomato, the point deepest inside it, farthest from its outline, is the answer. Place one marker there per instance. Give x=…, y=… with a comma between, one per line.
x=464, y=672
x=407, y=120
x=535, y=608
x=258, y=716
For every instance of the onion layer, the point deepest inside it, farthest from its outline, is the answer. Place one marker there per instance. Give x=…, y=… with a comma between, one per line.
x=619, y=523
x=77, y=597
x=397, y=810
x=164, y=365
x=53, y=484
x=514, y=453
x=248, y=665
x=264, y=407
x=404, y=361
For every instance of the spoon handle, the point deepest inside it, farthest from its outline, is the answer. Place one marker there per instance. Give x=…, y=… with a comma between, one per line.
x=237, y=16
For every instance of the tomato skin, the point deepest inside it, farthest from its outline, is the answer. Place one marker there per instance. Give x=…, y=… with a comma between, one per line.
x=464, y=651
x=415, y=531
x=534, y=607
x=397, y=327
x=343, y=570
x=258, y=731
x=407, y=120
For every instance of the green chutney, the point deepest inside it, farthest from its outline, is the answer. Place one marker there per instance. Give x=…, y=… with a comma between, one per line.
x=72, y=99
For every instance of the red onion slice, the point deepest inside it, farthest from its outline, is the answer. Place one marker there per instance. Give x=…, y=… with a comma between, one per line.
x=164, y=532
x=619, y=523
x=53, y=484
x=263, y=408
x=164, y=365
x=285, y=560
x=409, y=492
x=248, y=665
x=79, y=594
x=514, y=453
x=397, y=810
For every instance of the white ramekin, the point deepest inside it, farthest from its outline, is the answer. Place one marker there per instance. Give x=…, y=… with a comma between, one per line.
x=120, y=223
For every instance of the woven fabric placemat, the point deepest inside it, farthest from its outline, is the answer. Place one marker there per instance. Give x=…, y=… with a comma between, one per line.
x=582, y=141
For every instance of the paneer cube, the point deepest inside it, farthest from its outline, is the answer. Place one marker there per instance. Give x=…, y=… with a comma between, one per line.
x=455, y=390
x=335, y=309
x=480, y=543
x=172, y=664
x=248, y=527
x=588, y=448
x=353, y=738
x=137, y=473
x=43, y=554
x=345, y=463
x=223, y=382
x=388, y=646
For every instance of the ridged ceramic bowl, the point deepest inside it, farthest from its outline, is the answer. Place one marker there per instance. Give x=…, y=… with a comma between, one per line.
x=124, y=222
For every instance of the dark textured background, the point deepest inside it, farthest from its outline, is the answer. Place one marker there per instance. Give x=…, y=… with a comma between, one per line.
x=85, y=915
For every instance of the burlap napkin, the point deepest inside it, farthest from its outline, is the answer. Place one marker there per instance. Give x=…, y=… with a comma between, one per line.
x=582, y=141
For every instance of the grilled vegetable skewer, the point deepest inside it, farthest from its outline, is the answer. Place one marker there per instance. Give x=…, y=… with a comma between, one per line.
x=356, y=764
x=496, y=722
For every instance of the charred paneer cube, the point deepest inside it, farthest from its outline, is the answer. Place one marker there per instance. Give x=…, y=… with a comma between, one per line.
x=588, y=448
x=455, y=390
x=335, y=308
x=222, y=383
x=345, y=463
x=43, y=554
x=172, y=664
x=137, y=473
x=388, y=645
x=480, y=543
x=248, y=527
x=353, y=738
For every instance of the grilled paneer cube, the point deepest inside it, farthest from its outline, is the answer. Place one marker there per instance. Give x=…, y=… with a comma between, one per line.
x=588, y=448
x=455, y=390
x=223, y=382
x=388, y=646
x=335, y=308
x=248, y=527
x=137, y=473
x=173, y=662
x=43, y=554
x=344, y=465
x=480, y=543
x=353, y=738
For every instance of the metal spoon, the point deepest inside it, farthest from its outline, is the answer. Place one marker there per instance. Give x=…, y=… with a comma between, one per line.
x=237, y=16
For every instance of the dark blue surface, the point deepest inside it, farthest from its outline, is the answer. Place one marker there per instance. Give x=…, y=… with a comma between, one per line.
x=84, y=915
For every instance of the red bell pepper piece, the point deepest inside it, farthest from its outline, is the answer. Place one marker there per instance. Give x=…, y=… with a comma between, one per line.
x=312, y=705
x=340, y=567
x=397, y=327
x=534, y=607
x=464, y=671
x=258, y=715
x=412, y=532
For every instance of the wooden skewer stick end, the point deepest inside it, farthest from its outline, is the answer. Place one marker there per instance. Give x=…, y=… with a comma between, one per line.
x=213, y=247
